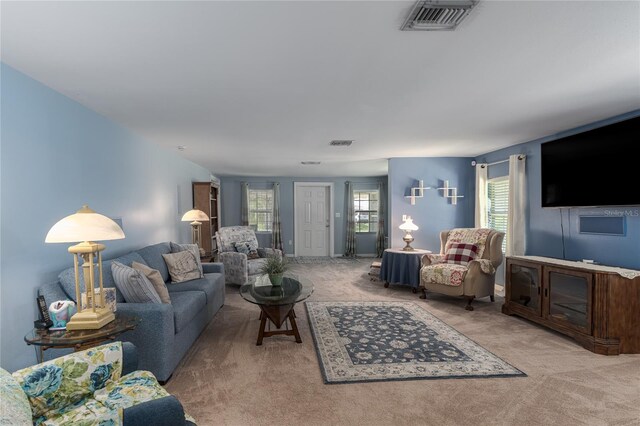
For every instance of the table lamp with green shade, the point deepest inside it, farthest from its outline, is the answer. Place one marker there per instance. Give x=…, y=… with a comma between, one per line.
x=86, y=227
x=196, y=217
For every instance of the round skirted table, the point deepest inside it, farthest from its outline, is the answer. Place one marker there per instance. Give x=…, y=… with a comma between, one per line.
x=402, y=267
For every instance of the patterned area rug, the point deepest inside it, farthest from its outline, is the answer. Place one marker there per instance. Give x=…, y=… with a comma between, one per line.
x=376, y=341
x=314, y=260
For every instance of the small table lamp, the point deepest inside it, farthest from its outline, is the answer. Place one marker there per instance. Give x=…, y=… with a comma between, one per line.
x=407, y=227
x=86, y=226
x=197, y=216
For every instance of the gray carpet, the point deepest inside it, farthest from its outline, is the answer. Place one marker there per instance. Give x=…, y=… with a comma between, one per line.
x=321, y=260
x=226, y=379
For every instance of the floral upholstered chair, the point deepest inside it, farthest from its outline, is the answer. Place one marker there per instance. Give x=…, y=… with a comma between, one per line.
x=466, y=265
x=93, y=387
x=239, y=253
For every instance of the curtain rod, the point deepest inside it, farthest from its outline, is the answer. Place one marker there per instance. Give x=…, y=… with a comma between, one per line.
x=474, y=163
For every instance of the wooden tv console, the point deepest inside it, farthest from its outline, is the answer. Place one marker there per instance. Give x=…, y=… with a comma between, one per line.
x=595, y=305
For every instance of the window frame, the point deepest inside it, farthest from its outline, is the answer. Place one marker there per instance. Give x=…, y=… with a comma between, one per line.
x=369, y=212
x=491, y=212
x=253, y=209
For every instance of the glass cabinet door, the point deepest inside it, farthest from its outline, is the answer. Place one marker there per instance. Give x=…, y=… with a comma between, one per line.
x=569, y=295
x=524, y=288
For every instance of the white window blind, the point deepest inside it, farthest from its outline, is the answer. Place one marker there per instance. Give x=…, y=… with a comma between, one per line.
x=498, y=205
x=261, y=209
x=365, y=204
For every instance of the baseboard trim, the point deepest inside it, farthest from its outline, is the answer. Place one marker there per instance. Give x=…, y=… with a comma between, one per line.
x=359, y=255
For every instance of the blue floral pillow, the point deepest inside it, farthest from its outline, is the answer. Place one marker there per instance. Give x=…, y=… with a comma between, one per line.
x=57, y=385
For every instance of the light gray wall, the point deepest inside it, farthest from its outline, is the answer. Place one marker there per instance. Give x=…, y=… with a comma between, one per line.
x=56, y=156
x=230, y=195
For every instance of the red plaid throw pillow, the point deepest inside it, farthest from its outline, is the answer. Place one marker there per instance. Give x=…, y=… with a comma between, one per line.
x=460, y=253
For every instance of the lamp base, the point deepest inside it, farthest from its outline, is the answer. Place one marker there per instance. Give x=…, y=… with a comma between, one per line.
x=408, y=239
x=90, y=320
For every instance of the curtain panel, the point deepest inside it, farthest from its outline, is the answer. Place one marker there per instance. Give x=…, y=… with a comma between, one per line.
x=381, y=210
x=276, y=228
x=517, y=205
x=244, y=203
x=350, y=245
x=481, y=219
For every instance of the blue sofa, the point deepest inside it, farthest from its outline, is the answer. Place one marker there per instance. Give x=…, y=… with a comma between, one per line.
x=166, y=331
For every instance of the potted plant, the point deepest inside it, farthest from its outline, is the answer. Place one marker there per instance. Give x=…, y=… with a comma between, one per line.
x=275, y=266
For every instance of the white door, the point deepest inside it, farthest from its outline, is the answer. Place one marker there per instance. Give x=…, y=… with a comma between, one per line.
x=312, y=220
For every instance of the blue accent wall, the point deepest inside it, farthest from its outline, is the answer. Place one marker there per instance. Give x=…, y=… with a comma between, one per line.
x=57, y=155
x=432, y=213
x=544, y=225
x=230, y=195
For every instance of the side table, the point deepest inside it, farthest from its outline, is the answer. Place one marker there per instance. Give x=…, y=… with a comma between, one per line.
x=402, y=267
x=277, y=303
x=78, y=339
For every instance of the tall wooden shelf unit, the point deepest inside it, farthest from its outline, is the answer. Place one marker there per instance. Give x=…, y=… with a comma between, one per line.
x=206, y=197
x=598, y=308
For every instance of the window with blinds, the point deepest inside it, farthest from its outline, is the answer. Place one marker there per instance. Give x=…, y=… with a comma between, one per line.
x=365, y=204
x=261, y=209
x=498, y=205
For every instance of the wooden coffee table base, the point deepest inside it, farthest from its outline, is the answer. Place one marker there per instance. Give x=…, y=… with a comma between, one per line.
x=278, y=315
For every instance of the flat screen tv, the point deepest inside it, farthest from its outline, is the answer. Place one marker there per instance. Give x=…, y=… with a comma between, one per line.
x=593, y=168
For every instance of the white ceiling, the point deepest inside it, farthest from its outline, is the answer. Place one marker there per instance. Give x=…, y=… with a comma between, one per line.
x=253, y=88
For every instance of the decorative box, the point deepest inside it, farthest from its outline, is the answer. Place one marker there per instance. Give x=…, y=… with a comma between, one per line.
x=109, y=298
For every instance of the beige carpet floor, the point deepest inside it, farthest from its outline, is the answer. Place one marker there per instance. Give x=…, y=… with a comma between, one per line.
x=226, y=379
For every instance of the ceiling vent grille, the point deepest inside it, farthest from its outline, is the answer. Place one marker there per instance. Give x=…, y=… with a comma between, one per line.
x=341, y=143
x=437, y=15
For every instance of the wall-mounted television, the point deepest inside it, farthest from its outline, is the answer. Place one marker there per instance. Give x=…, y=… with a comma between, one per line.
x=593, y=168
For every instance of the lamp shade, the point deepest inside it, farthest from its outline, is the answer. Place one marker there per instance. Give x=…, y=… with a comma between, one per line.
x=195, y=215
x=84, y=225
x=408, y=225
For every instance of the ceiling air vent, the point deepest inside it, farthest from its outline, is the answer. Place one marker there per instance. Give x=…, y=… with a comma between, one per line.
x=437, y=15
x=341, y=143
x=310, y=163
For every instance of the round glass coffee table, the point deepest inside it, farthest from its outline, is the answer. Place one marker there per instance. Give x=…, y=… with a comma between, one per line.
x=277, y=302
x=78, y=339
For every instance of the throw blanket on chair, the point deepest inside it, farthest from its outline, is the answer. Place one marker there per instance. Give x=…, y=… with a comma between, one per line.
x=450, y=273
x=444, y=273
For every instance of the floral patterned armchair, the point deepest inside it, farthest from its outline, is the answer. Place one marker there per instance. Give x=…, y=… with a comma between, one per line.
x=96, y=386
x=239, y=252
x=472, y=272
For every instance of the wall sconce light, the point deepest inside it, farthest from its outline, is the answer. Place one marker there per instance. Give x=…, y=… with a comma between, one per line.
x=450, y=192
x=417, y=192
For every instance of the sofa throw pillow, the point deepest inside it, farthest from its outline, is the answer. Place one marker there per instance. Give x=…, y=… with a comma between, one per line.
x=460, y=253
x=134, y=285
x=191, y=248
x=182, y=266
x=247, y=247
x=154, y=276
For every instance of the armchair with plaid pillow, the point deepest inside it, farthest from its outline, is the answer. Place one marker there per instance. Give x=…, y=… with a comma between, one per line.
x=466, y=265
